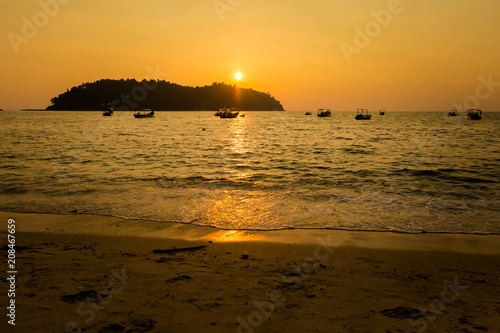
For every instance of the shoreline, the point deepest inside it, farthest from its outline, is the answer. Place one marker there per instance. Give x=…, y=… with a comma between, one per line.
x=115, y=226
x=83, y=273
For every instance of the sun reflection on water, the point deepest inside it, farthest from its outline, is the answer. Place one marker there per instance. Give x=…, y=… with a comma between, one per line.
x=236, y=209
x=238, y=129
x=240, y=209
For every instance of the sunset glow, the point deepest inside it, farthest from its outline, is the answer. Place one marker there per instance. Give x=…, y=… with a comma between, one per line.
x=397, y=54
x=250, y=166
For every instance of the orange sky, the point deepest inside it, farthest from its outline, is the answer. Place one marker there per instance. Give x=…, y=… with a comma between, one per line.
x=418, y=55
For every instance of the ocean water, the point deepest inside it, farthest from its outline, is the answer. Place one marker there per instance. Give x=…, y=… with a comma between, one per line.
x=403, y=172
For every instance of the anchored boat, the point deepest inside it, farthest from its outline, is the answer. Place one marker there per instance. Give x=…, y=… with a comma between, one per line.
x=144, y=113
x=108, y=112
x=229, y=112
x=453, y=112
x=363, y=114
x=324, y=113
x=474, y=114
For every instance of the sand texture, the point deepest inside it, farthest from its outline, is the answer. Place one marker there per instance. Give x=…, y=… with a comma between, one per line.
x=98, y=274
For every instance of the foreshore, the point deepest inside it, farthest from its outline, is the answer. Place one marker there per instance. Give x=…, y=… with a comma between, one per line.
x=102, y=274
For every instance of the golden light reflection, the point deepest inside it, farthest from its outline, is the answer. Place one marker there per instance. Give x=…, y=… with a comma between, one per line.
x=234, y=236
x=237, y=209
x=238, y=130
x=231, y=207
x=298, y=36
x=238, y=161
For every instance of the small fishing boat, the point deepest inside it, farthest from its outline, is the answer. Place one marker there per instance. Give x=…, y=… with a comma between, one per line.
x=229, y=112
x=363, y=114
x=108, y=112
x=381, y=112
x=453, y=112
x=474, y=114
x=308, y=113
x=324, y=113
x=144, y=113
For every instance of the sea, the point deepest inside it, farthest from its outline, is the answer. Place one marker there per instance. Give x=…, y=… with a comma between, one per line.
x=409, y=172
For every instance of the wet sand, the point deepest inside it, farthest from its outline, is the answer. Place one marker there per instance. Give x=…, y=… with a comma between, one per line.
x=101, y=274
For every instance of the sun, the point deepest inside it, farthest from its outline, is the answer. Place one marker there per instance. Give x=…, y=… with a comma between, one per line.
x=238, y=76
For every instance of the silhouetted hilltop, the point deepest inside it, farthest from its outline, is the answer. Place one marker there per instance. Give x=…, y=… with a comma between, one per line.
x=125, y=95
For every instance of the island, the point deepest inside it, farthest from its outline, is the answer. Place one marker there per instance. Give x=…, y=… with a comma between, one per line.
x=130, y=94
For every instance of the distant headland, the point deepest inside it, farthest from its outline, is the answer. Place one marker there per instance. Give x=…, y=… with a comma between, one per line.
x=130, y=94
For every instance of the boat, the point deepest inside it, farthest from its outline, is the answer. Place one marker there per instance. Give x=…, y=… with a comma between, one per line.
x=474, y=114
x=381, y=112
x=363, y=115
x=308, y=113
x=144, y=113
x=108, y=112
x=324, y=113
x=453, y=112
x=229, y=112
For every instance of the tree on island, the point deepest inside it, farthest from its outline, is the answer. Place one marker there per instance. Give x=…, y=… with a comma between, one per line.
x=130, y=94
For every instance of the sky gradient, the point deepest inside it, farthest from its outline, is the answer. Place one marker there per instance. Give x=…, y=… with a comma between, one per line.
x=410, y=55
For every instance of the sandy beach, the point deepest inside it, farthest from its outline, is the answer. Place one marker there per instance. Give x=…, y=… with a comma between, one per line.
x=100, y=274
x=233, y=166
